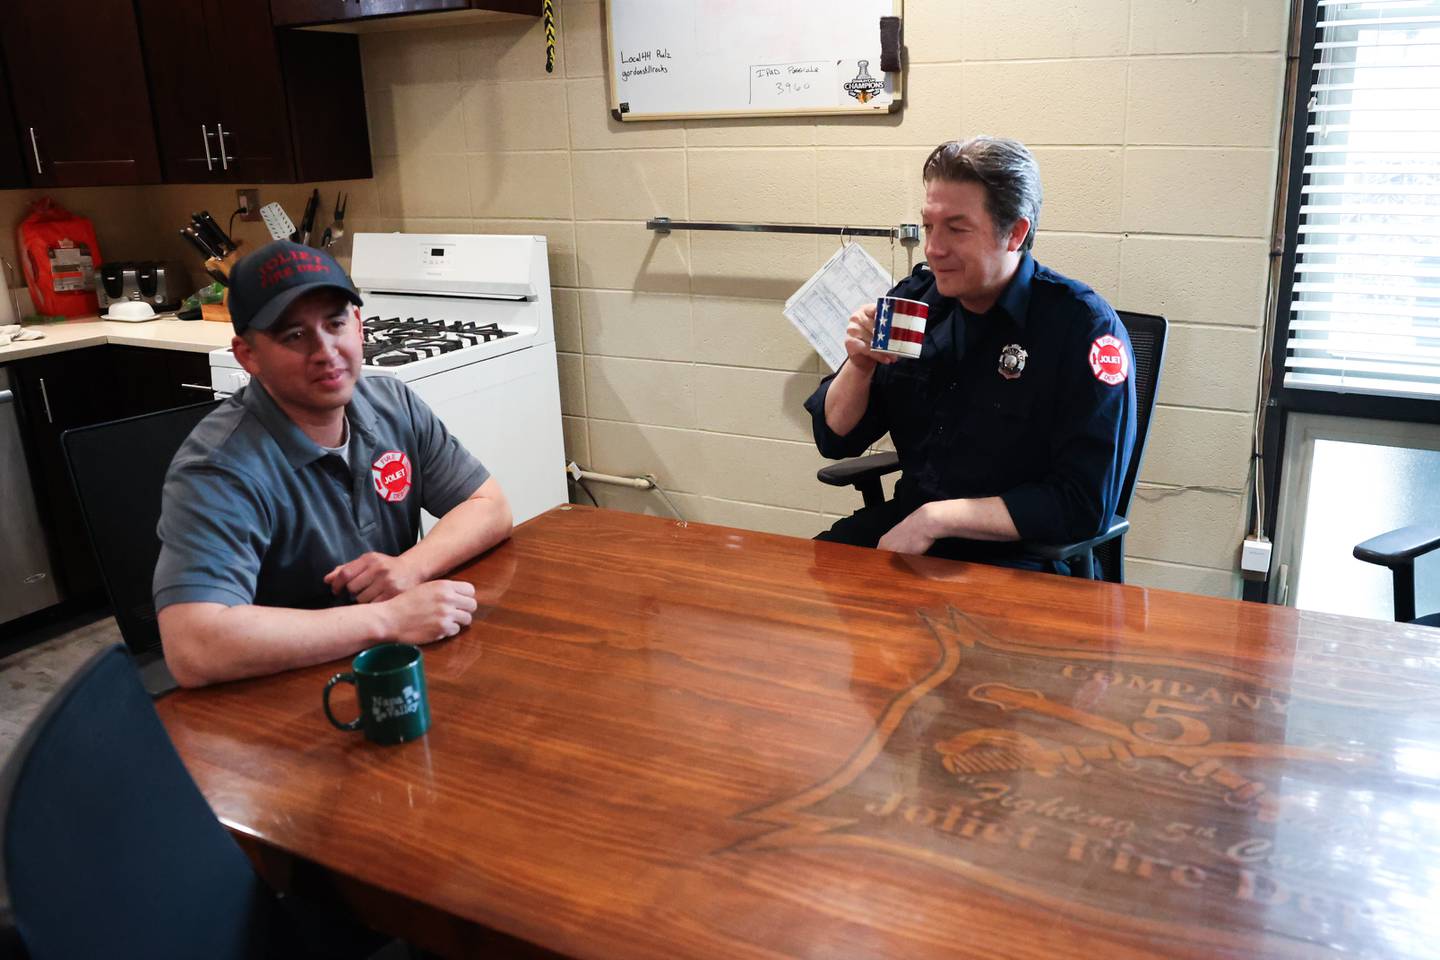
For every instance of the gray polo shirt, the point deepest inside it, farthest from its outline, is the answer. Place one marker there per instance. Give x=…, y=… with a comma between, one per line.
x=256, y=512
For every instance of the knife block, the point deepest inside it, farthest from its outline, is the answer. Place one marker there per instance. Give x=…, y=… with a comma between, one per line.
x=217, y=312
x=220, y=312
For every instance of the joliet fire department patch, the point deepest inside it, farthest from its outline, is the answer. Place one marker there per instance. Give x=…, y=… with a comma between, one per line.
x=391, y=471
x=1109, y=360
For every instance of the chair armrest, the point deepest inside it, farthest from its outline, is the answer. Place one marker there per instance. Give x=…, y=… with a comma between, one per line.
x=858, y=469
x=1399, y=546
x=1119, y=526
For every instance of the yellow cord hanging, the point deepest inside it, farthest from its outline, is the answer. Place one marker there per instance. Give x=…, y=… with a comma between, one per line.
x=549, y=11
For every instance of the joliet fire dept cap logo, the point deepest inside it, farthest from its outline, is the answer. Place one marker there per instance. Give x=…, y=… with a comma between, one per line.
x=391, y=471
x=1109, y=360
x=1145, y=792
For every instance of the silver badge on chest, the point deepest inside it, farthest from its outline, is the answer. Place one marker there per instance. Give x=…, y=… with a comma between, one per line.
x=1012, y=361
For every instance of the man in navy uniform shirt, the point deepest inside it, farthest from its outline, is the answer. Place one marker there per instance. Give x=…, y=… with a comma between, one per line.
x=290, y=515
x=1017, y=420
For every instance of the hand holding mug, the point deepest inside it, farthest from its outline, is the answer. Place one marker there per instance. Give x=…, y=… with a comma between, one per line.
x=899, y=326
x=859, y=333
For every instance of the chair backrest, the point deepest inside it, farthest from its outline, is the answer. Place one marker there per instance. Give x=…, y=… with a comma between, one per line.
x=1147, y=340
x=118, y=469
x=107, y=845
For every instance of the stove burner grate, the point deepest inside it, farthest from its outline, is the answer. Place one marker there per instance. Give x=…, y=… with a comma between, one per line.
x=394, y=342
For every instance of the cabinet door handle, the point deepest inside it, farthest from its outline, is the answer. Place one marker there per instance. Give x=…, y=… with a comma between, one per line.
x=35, y=147
x=224, y=158
x=205, y=136
x=45, y=396
x=198, y=386
x=6, y=396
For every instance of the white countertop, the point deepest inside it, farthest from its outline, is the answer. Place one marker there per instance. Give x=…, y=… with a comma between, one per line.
x=199, y=336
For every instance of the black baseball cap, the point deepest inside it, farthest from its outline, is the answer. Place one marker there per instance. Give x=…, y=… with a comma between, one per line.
x=264, y=283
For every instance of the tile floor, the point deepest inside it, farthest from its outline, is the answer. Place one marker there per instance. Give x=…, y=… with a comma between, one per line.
x=30, y=676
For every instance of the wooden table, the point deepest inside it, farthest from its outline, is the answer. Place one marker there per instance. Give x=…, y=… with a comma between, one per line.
x=669, y=740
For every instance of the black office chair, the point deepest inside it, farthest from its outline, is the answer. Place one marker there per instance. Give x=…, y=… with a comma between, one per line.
x=119, y=469
x=108, y=848
x=1398, y=550
x=1100, y=557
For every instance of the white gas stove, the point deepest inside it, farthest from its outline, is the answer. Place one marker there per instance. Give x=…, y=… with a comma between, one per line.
x=465, y=321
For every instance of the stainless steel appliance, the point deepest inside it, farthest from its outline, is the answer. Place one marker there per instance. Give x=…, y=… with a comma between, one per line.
x=27, y=578
x=162, y=285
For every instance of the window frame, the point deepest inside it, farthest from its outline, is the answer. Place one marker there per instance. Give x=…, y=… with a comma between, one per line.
x=1305, y=430
x=1282, y=402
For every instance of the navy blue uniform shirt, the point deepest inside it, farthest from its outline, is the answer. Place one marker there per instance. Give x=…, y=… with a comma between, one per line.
x=254, y=511
x=1053, y=443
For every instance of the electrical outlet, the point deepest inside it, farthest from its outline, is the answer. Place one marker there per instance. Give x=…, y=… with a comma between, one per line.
x=1255, y=558
x=248, y=203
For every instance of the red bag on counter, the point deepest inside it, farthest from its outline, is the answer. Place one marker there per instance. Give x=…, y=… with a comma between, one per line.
x=60, y=258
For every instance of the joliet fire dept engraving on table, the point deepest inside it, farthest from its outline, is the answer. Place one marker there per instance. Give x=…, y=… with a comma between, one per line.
x=1170, y=797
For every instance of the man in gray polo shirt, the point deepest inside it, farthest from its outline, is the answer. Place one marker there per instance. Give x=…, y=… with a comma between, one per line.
x=290, y=515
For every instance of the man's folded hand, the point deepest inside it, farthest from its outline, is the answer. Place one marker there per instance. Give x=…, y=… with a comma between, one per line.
x=372, y=577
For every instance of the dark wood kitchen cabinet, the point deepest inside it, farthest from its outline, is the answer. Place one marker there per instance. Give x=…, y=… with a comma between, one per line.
x=82, y=111
x=294, y=13
x=246, y=104
x=59, y=391
x=12, y=162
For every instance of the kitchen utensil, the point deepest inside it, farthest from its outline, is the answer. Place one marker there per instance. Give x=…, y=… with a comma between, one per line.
x=277, y=221
x=198, y=242
x=130, y=311
x=218, y=240
x=336, y=230
x=8, y=314
x=307, y=222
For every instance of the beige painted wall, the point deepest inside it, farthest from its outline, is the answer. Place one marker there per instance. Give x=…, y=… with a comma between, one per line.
x=1155, y=124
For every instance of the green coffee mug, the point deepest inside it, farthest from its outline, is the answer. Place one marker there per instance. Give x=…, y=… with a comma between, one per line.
x=390, y=682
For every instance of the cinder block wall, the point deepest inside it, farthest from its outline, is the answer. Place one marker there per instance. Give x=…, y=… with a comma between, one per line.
x=1155, y=123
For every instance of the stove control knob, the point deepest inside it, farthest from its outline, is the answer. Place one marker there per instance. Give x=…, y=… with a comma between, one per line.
x=239, y=379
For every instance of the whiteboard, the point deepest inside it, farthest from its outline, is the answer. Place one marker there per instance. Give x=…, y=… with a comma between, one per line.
x=743, y=58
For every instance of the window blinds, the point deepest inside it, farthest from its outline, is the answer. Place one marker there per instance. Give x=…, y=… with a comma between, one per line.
x=1365, y=301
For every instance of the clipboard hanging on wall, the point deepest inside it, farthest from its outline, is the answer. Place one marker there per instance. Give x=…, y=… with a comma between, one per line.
x=676, y=59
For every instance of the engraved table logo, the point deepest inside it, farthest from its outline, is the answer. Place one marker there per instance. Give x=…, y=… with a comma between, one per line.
x=1166, y=796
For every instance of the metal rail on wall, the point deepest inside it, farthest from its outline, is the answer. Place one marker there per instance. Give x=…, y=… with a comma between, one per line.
x=905, y=232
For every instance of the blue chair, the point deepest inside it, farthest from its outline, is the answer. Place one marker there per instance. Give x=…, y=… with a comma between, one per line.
x=108, y=848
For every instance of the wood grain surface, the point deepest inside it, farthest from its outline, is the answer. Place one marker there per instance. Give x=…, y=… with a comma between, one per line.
x=668, y=740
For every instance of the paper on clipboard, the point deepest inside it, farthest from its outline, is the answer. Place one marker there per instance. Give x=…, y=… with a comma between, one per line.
x=822, y=306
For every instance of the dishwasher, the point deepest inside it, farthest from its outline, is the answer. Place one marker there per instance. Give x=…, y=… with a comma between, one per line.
x=27, y=579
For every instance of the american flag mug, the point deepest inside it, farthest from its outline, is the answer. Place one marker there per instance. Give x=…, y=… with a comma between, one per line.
x=899, y=326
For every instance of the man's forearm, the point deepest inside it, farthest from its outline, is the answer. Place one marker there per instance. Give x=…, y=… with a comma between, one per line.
x=210, y=642
x=847, y=398
x=986, y=518
x=465, y=532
